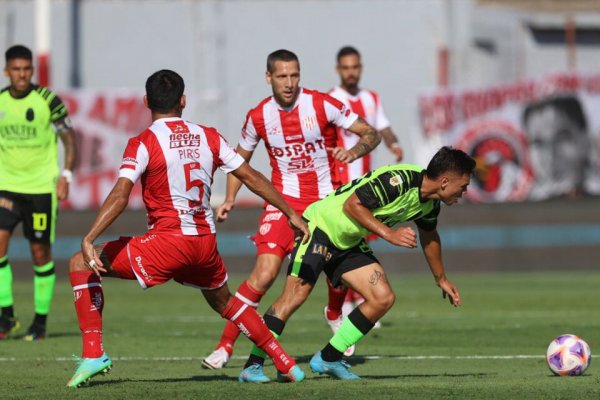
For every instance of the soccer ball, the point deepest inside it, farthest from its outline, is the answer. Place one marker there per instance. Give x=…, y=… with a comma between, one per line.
x=568, y=355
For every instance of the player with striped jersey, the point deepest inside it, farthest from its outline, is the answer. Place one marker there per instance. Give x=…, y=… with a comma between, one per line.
x=298, y=127
x=32, y=119
x=374, y=203
x=367, y=104
x=175, y=161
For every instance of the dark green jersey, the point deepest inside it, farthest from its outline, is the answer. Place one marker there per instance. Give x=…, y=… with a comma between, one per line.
x=28, y=141
x=390, y=192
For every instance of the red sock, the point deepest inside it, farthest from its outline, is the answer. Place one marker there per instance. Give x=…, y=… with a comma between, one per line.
x=248, y=295
x=252, y=325
x=89, y=302
x=355, y=296
x=336, y=300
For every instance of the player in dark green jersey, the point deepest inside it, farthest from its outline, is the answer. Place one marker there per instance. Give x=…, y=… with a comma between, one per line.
x=32, y=118
x=374, y=203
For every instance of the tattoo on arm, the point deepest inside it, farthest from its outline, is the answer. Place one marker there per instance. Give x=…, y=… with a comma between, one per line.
x=376, y=277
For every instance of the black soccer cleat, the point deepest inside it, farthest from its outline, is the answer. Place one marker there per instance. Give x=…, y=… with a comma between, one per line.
x=8, y=326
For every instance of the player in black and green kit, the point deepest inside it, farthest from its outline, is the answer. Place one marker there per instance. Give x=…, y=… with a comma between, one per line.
x=374, y=203
x=32, y=118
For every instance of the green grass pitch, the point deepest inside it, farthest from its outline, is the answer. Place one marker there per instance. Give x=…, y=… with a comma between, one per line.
x=492, y=347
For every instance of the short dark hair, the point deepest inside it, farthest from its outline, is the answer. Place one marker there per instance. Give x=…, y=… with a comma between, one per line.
x=280, y=55
x=18, y=51
x=347, y=51
x=164, y=90
x=450, y=159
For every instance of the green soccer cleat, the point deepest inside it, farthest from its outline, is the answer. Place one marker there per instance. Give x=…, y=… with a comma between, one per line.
x=8, y=326
x=254, y=374
x=87, y=368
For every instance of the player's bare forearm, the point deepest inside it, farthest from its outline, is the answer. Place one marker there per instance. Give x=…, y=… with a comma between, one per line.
x=432, y=249
x=67, y=137
x=369, y=138
x=233, y=183
x=258, y=184
x=112, y=207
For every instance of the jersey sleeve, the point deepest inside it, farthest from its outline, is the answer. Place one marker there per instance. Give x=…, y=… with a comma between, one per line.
x=338, y=113
x=230, y=160
x=135, y=160
x=250, y=137
x=58, y=110
x=429, y=222
x=380, y=190
x=381, y=120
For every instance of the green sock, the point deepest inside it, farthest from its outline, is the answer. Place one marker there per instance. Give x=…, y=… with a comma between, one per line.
x=43, y=285
x=346, y=336
x=6, y=279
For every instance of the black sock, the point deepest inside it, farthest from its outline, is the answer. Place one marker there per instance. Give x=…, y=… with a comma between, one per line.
x=39, y=319
x=8, y=312
x=358, y=319
x=331, y=354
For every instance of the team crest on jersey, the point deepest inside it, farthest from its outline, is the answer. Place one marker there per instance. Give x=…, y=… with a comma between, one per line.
x=395, y=181
x=503, y=171
x=264, y=228
x=309, y=122
x=274, y=130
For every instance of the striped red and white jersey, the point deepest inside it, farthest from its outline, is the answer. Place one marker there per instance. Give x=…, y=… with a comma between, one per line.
x=176, y=161
x=303, y=171
x=368, y=106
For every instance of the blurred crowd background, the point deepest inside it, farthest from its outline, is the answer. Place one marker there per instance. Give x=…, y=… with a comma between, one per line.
x=515, y=83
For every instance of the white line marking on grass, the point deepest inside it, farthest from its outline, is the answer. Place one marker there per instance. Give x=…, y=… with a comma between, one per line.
x=177, y=358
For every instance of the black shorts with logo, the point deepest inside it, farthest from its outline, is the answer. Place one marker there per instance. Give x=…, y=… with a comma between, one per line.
x=319, y=254
x=36, y=211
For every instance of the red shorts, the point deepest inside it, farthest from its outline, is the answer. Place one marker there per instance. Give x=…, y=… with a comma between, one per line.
x=274, y=235
x=153, y=259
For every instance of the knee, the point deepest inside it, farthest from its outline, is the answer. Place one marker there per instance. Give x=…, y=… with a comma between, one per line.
x=263, y=276
x=76, y=263
x=388, y=300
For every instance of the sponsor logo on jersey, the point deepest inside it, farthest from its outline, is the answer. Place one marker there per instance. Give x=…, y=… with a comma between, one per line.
x=276, y=216
x=185, y=140
x=272, y=245
x=17, y=132
x=297, y=149
x=147, y=239
x=146, y=275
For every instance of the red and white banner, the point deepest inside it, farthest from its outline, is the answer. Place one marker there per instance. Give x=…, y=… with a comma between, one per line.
x=532, y=140
x=104, y=122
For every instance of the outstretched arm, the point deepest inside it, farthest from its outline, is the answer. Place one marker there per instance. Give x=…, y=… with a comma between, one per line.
x=257, y=183
x=233, y=187
x=369, y=139
x=432, y=248
x=113, y=206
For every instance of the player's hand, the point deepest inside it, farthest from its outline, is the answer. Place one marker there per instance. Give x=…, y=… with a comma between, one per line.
x=397, y=151
x=62, y=188
x=301, y=228
x=223, y=210
x=449, y=290
x=91, y=259
x=403, y=236
x=341, y=154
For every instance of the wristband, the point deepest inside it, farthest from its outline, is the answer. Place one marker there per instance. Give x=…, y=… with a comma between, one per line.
x=67, y=174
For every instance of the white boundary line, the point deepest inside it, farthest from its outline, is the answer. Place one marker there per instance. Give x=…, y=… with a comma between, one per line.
x=467, y=357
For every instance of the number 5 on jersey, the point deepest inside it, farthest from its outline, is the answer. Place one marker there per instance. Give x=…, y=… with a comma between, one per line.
x=192, y=183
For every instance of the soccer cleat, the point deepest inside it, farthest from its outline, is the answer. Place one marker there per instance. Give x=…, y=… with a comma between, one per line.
x=336, y=369
x=217, y=359
x=35, y=332
x=254, y=374
x=295, y=374
x=87, y=368
x=335, y=324
x=8, y=326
